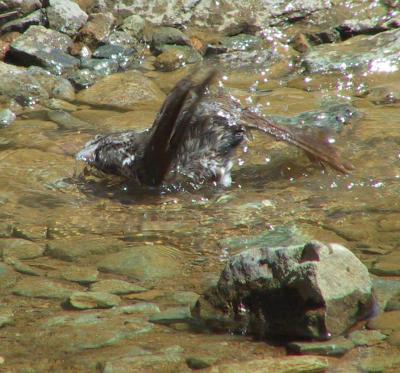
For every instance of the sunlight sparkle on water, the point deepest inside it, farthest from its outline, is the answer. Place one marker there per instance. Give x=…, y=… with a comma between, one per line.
x=383, y=66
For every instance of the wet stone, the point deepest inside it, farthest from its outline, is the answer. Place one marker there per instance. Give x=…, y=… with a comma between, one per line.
x=168, y=35
x=144, y=308
x=43, y=47
x=21, y=24
x=89, y=300
x=143, y=263
x=172, y=58
x=387, y=265
x=8, y=278
x=377, y=53
x=71, y=249
x=101, y=67
x=165, y=360
x=65, y=16
x=115, y=52
x=6, y=317
x=295, y=364
x=118, y=287
x=87, y=331
x=130, y=90
x=20, y=249
x=184, y=297
x=385, y=290
x=56, y=86
x=37, y=287
x=83, y=78
x=387, y=322
x=123, y=39
x=366, y=337
x=7, y=117
x=134, y=25
x=196, y=362
x=81, y=275
x=16, y=83
x=172, y=315
x=97, y=29
x=334, y=347
x=242, y=42
x=24, y=268
x=393, y=303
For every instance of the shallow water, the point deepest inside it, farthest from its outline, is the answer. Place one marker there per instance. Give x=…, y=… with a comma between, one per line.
x=46, y=196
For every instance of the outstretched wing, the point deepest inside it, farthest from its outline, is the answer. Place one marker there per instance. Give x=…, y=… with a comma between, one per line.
x=170, y=127
x=317, y=148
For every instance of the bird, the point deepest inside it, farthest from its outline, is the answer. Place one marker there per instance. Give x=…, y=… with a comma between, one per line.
x=194, y=138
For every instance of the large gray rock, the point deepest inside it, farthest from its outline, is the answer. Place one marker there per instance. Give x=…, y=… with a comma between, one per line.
x=66, y=16
x=43, y=47
x=315, y=291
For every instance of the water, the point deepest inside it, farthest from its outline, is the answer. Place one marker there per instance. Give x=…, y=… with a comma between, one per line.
x=45, y=196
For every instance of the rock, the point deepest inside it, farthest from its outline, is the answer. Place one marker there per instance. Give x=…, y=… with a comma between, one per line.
x=43, y=47
x=67, y=121
x=142, y=263
x=166, y=360
x=172, y=315
x=394, y=338
x=115, y=52
x=97, y=29
x=7, y=117
x=87, y=331
x=242, y=42
x=83, y=78
x=134, y=25
x=20, y=249
x=65, y=16
x=8, y=278
x=335, y=347
x=73, y=248
x=130, y=91
x=123, y=39
x=144, y=308
x=259, y=287
x=6, y=317
x=21, y=24
x=101, y=67
x=387, y=265
x=387, y=322
x=184, y=297
x=173, y=58
x=366, y=337
x=118, y=287
x=295, y=364
x=377, y=53
x=56, y=86
x=16, y=83
x=385, y=290
x=81, y=275
x=393, y=303
x=22, y=267
x=195, y=362
x=168, y=35
x=385, y=94
x=87, y=300
x=37, y=287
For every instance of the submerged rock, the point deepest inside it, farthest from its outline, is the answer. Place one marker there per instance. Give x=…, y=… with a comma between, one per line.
x=130, y=90
x=90, y=299
x=118, y=287
x=142, y=263
x=315, y=291
x=297, y=364
x=20, y=249
x=335, y=347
